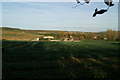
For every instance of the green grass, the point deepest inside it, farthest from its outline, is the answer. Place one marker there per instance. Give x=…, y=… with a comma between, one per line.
x=44, y=59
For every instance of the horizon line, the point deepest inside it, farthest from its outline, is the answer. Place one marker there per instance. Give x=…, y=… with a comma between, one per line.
x=56, y=29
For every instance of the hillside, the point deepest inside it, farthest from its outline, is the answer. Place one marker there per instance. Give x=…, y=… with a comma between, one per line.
x=28, y=35
x=24, y=35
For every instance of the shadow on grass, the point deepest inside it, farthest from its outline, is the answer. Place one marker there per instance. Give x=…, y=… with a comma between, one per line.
x=60, y=60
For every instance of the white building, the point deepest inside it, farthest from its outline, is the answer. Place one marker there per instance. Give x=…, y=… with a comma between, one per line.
x=95, y=37
x=105, y=38
x=48, y=37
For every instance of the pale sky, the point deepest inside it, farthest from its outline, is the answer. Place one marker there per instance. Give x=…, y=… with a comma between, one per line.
x=52, y=0
x=58, y=16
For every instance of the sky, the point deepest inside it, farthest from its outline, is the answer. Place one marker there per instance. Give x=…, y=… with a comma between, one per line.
x=51, y=0
x=58, y=16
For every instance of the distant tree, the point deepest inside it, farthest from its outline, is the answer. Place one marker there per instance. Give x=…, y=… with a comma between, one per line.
x=118, y=35
x=82, y=37
x=111, y=35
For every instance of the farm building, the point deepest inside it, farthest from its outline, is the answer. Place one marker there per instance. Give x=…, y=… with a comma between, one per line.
x=48, y=37
x=68, y=39
x=44, y=38
x=105, y=38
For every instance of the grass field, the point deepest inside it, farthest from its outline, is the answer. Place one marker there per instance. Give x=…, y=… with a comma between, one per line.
x=84, y=59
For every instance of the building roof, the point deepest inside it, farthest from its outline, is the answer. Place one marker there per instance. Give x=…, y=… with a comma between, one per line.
x=48, y=37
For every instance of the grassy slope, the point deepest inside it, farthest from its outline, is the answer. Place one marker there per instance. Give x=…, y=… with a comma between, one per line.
x=17, y=34
x=23, y=35
x=96, y=59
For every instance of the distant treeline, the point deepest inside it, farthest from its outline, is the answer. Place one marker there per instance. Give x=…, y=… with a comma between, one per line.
x=109, y=35
x=9, y=33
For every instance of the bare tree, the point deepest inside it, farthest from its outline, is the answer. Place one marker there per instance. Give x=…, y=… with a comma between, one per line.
x=109, y=3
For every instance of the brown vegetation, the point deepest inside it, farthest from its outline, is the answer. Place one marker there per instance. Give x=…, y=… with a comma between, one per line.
x=28, y=35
